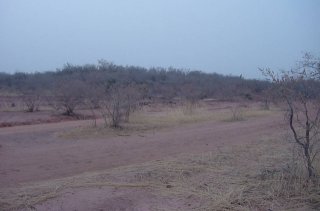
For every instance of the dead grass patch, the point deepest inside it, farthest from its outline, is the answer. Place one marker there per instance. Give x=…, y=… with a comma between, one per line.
x=254, y=176
x=143, y=121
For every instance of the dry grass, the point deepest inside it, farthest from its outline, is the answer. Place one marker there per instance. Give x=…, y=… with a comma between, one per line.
x=255, y=176
x=259, y=175
x=143, y=121
x=176, y=116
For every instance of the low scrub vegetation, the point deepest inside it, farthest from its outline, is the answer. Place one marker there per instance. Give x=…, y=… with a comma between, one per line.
x=73, y=86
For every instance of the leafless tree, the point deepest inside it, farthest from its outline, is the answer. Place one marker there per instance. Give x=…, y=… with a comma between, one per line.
x=300, y=90
x=119, y=102
x=133, y=95
x=310, y=64
x=68, y=95
x=31, y=101
x=94, y=98
x=30, y=92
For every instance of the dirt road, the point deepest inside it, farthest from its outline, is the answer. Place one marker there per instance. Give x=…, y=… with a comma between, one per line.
x=36, y=152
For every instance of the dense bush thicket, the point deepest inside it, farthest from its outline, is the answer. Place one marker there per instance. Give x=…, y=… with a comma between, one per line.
x=155, y=83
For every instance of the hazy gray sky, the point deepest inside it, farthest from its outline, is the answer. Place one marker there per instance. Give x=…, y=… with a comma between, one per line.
x=227, y=36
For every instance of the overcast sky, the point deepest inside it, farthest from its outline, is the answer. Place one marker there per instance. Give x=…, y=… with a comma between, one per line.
x=227, y=36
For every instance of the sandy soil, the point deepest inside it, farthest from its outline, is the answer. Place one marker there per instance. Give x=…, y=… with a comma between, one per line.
x=34, y=153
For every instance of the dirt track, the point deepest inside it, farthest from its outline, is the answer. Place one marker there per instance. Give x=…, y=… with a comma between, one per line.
x=35, y=152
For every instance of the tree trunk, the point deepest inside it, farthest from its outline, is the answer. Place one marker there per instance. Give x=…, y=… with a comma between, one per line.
x=310, y=168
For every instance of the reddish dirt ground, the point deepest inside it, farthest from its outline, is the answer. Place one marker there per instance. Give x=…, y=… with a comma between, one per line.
x=33, y=153
x=110, y=199
x=17, y=118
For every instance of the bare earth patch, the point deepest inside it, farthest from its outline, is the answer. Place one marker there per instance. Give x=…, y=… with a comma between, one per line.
x=207, y=164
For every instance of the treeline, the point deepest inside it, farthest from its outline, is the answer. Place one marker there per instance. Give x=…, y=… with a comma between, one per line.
x=155, y=83
x=115, y=91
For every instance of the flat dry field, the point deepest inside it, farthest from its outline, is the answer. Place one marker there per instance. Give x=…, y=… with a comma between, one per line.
x=164, y=159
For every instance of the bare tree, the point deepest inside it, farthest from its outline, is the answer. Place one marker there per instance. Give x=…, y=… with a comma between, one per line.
x=92, y=102
x=30, y=92
x=31, y=101
x=68, y=95
x=133, y=95
x=311, y=64
x=119, y=102
x=300, y=90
